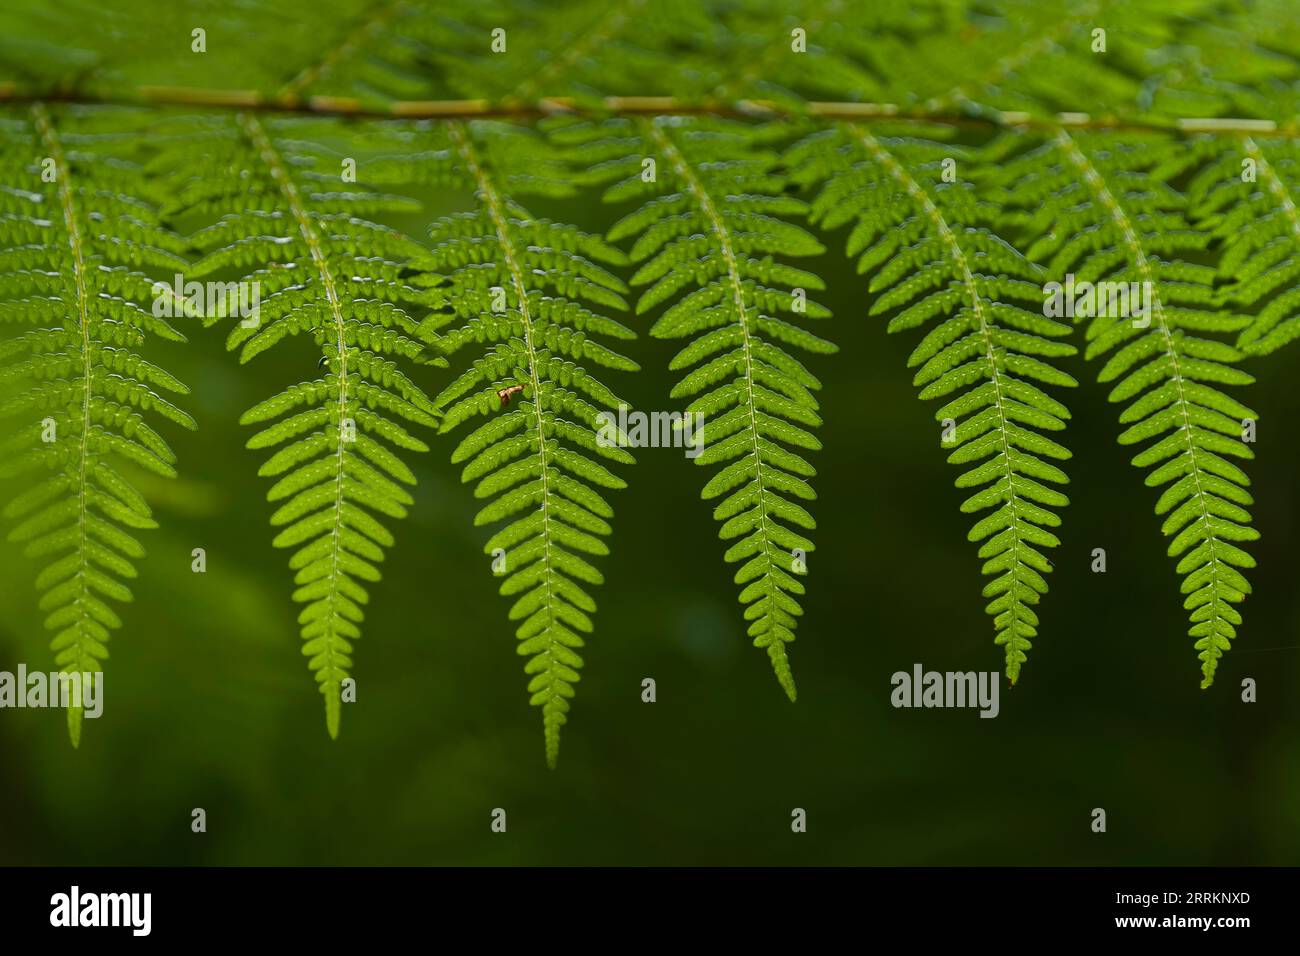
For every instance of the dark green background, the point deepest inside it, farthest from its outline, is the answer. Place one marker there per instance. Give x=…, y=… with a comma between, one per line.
x=209, y=703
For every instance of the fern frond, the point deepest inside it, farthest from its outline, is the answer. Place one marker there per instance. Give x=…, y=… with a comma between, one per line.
x=710, y=238
x=77, y=219
x=596, y=48
x=935, y=259
x=1245, y=195
x=530, y=294
x=1230, y=60
x=322, y=270
x=1101, y=213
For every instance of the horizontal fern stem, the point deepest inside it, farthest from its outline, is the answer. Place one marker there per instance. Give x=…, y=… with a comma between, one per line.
x=351, y=107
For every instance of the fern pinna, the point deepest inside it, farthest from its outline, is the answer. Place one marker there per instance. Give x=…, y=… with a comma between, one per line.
x=707, y=236
x=528, y=291
x=77, y=222
x=1102, y=212
x=934, y=256
x=321, y=270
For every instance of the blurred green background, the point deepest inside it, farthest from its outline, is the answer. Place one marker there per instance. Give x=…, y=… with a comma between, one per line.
x=209, y=703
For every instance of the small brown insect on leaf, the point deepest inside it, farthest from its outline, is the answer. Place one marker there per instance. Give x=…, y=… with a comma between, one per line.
x=508, y=393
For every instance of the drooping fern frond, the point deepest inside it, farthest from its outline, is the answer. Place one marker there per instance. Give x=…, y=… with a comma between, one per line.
x=1245, y=196
x=318, y=268
x=710, y=238
x=1103, y=215
x=77, y=222
x=931, y=248
x=531, y=294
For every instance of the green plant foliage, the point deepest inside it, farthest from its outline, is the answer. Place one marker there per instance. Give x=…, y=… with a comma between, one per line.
x=372, y=53
x=999, y=61
x=1243, y=195
x=78, y=221
x=995, y=59
x=1231, y=59
x=930, y=246
x=974, y=150
x=709, y=238
x=516, y=53
x=287, y=221
x=1100, y=212
x=826, y=50
x=531, y=294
